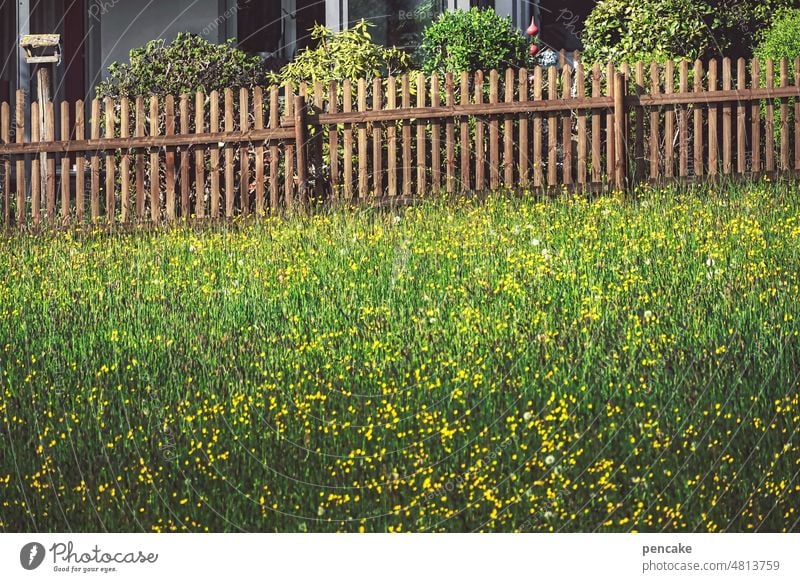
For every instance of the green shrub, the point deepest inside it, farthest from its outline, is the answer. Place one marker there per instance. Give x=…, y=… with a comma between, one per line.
x=186, y=65
x=645, y=30
x=337, y=56
x=468, y=40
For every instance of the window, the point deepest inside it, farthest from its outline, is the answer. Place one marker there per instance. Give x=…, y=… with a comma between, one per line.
x=397, y=22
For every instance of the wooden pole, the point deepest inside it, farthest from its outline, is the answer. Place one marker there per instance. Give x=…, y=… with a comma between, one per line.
x=300, y=132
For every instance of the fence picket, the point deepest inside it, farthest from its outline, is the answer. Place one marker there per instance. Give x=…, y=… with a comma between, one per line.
x=465, y=141
x=508, y=133
x=214, y=188
x=363, y=151
x=450, y=137
x=155, y=175
x=377, y=139
x=333, y=145
x=422, y=161
x=669, y=122
x=697, y=87
x=784, y=117
x=480, y=163
x=596, y=126
x=566, y=127
x=769, y=129
x=741, y=120
x=713, y=132
x=36, y=182
x=494, y=133
x=655, y=138
x=727, y=120
x=111, y=173
x=66, y=186
x=186, y=210
x=50, y=165
x=391, y=136
x=258, y=124
x=436, y=137
x=200, y=156
x=95, y=162
x=683, y=122
x=755, y=117
x=582, y=145
x=139, y=161
x=230, y=179
x=610, y=152
x=5, y=136
x=552, y=129
x=797, y=116
x=169, y=156
x=289, y=149
x=244, y=153
x=524, y=153
x=19, y=138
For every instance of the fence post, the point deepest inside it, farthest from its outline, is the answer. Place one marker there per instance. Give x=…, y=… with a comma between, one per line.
x=301, y=139
x=620, y=132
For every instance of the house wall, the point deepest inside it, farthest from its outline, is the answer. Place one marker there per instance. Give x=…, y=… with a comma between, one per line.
x=125, y=25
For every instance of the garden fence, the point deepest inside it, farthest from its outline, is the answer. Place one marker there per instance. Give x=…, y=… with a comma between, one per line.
x=245, y=152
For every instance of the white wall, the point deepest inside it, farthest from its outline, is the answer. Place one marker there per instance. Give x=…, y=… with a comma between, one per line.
x=128, y=24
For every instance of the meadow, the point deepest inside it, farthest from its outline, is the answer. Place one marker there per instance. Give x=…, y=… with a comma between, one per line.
x=619, y=363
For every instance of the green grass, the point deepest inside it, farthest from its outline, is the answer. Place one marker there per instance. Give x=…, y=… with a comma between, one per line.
x=512, y=365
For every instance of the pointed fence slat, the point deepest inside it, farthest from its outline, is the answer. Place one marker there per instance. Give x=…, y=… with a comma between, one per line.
x=19, y=137
x=200, y=156
x=480, y=153
x=450, y=136
x=508, y=133
x=524, y=132
x=66, y=186
x=169, y=156
x=436, y=136
x=391, y=136
x=186, y=186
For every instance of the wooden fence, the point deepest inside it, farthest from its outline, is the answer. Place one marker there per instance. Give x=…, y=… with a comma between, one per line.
x=264, y=150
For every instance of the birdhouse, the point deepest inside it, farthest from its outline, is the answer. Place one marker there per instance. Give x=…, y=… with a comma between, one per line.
x=42, y=48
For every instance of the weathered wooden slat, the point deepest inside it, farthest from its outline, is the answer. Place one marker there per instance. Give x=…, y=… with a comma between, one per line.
x=230, y=154
x=111, y=171
x=741, y=119
x=391, y=137
x=66, y=168
x=797, y=117
x=80, y=162
x=301, y=139
x=125, y=161
x=347, y=106
x=552, y=129
x=508, y=133
x=524, y=132
x=596, y=126
x=639, y=146
x=214, y=189
x=363, y=145
x=698, y=165
x=422, y=160
x=450, y=137
x=582, y=125
x=769, y=122
x=465, y=141
x=169, y=157
x=683, y=122
x=200, y=156
x=318, y=144
x=566, y=127
x=538, y=156
x=139, y=173
x=155, y=174
x=784, y=117
x=669, y=122
x=5, y=136
x=480, y=147
x=377, y=139
x=274, y=152
x=727, y=120
x=19, y=138
x=713, y=131
x=258, y=123
x=610, y=151
x=436, y=137
x=755, y=118
x=655, y=136
x=620, y=132
x=244, y=153
x=333, y=142
x=50, y=166
x=494, y=133
x=95, y=161
x=185, y=170
x=36, y=169
x=289, y=149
